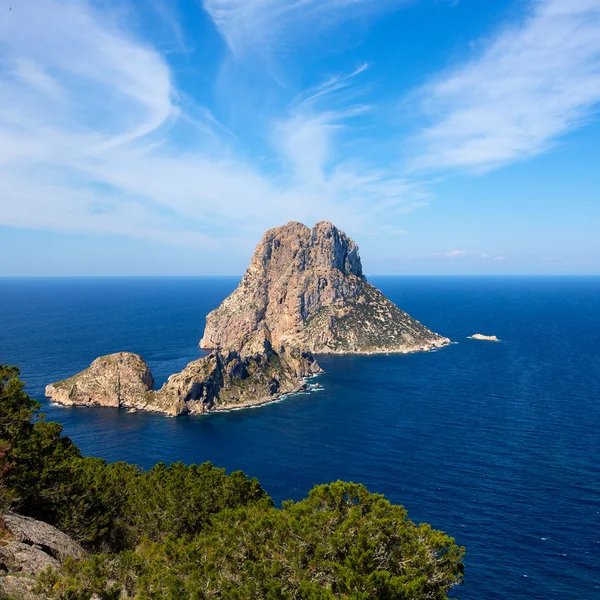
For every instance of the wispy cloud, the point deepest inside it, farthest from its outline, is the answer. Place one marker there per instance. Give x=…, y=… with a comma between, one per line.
x=392, y=230
x=533, y=82
x=305, y=138
x=89, y=123
x=267, y=24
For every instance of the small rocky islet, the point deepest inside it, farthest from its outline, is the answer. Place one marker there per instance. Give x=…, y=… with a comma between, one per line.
x=304, y=293
x=483, y=337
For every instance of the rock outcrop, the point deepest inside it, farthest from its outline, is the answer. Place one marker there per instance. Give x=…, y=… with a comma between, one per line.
x=121, y=379
x=17, y=587
x=219, y=381
x=27, y=549
x=305, y=288
x=233, y=380
x=39, y=534
x=486, y=338
x=303, y=293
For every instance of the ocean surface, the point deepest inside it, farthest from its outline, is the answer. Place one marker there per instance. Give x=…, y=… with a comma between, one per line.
x=498, y=444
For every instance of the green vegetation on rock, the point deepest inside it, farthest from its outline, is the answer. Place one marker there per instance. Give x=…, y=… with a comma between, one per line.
x=196, y=532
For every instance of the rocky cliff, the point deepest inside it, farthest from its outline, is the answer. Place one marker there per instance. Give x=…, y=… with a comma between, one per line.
x=222, y=381
x=305, y=288
x=219, y=381
x=303, y=293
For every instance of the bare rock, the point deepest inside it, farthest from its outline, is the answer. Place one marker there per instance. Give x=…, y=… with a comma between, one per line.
x=53, y=542
x=30, y=560
x=225, y=381
x=218, y=381
x=121, y=379
x=303, y=293
x=305, y=288
x=27, y=549
x=18, y=588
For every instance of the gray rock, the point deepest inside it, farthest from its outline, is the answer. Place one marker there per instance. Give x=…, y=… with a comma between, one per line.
x=50, y=540
x=30, y=560
x=17, y=588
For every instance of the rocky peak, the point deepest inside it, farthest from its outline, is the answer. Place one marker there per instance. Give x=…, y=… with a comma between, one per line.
x=323, y=247
x=333, y=249
x=305, y=288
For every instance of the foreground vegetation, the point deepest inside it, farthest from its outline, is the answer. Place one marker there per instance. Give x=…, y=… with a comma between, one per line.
x=182, y=531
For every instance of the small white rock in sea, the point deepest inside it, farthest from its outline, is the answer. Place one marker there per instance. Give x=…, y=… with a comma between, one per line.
x=132, y=410
x=480, y=336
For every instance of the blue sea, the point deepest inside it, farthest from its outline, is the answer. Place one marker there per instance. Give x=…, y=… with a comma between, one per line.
x=498, y=444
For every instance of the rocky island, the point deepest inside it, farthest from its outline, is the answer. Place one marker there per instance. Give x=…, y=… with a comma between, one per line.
x=485, y=338
x=304, y=293
x=305, y=288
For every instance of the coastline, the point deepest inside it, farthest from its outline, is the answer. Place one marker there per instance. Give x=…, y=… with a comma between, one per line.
x=258, y=403
x=411, y=350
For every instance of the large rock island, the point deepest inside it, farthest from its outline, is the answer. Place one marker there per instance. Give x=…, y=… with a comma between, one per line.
x=305, y=288
x=303, y=293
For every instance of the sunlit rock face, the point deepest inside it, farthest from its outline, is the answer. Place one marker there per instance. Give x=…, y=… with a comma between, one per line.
x=305, y=288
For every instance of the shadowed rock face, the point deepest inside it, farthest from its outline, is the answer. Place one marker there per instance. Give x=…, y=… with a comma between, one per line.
x=305, y=288
x=303, y=293
x=37, y=533
x=225, y=381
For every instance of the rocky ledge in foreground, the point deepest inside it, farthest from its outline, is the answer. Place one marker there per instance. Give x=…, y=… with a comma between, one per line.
x=27, y=549
x=305, y=288
x=303, y=293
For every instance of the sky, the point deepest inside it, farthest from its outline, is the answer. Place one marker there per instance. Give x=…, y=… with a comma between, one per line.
x=163, y=137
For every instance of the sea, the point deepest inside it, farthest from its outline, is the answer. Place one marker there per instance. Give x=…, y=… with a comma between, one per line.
x=498, y=444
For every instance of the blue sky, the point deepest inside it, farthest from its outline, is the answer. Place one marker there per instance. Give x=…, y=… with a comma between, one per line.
x=164, y=137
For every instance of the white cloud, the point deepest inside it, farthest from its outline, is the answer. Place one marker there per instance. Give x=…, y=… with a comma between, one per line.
x=306, y=138
x=264, y=24
x=455, y=253
x=534, y=82
x=88, y=144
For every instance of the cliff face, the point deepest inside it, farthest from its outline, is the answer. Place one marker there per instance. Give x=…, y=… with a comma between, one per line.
x=303, y=293
x=305, y=288
x=225, y=381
